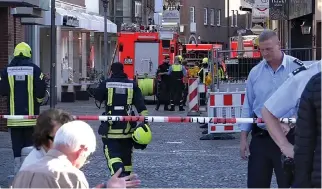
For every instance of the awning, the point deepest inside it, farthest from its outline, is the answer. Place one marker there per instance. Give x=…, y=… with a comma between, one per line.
x=74, y=19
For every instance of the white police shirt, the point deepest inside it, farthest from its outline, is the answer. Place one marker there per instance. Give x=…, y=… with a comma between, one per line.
x=287, y=97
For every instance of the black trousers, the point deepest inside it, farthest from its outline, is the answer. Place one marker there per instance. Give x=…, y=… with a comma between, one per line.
x=265, y=156
x=176, y=93
x=118, y=153
x=21, y=137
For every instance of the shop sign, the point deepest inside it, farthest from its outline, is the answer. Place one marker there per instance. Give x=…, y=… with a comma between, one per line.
x=70, y=21
x=278, y=9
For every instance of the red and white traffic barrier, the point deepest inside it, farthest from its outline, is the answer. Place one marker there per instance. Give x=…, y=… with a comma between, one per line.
x=160, y=119
x=225, y=104
x=193, y=96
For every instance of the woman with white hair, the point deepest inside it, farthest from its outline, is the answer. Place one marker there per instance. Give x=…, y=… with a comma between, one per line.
x=74, y=142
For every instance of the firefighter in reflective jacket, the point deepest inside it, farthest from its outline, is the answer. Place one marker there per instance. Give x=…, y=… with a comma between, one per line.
x=176, y=72
x=119, y=138
x=24, y=85
x=203, y=72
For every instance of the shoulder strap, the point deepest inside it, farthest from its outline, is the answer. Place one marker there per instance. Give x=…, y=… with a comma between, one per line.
x=298, y=70
x=299, y=62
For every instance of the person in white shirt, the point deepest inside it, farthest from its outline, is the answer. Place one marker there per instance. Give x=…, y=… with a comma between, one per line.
x=46, y=127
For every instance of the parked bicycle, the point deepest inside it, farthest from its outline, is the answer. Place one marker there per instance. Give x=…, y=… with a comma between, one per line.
x=91, y=91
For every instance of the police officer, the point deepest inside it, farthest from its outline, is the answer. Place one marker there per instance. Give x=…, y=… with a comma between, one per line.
x=24, y=85
x=285, y=100
x=263, y=154
x=164, y=88
x=120, y=94
x=177, y=72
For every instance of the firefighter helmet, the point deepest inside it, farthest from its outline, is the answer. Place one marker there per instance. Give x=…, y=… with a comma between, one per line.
x=205, y=60
x=22, y=49
x=142, y=134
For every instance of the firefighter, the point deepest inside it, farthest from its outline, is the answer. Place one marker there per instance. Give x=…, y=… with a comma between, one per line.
x=24, y=85
x=119, y=138
x=202, y=74
x=177, y=72
x=185, y=82
x=164, y=88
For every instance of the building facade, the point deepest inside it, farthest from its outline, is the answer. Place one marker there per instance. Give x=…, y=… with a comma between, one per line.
x=209, y=22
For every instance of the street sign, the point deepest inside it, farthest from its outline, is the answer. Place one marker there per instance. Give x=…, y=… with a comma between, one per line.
x=260, y=15
x=257, y=29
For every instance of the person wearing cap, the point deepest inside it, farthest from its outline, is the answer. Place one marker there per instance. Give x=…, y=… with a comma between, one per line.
x=177, y=72
x=24, y=85
x=120, y=94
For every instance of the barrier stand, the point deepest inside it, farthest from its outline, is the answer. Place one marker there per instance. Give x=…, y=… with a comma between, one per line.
x=227, y=105
x=193, y=97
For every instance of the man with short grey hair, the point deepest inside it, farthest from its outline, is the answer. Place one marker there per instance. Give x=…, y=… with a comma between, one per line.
x=263, y=80
x=74, y=142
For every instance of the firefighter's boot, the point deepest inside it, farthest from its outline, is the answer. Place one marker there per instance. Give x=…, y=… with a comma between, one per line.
x=181, y=108
x=172, y=108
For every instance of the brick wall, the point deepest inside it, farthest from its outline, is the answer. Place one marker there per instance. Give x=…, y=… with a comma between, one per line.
x=10, y=34
x=76, y=2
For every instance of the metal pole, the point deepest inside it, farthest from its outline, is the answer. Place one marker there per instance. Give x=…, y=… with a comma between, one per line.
x=105, y=5
x=53, y=56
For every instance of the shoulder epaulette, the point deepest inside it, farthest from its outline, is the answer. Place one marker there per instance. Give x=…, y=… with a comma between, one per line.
x=299, y=62
x=298, y=70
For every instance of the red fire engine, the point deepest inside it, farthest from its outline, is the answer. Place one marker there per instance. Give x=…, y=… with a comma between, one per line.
x=142, y=52
x=250, y=46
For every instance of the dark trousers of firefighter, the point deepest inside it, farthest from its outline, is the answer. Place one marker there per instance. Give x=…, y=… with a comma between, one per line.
x=265, y=157
x=163, y=94
x=21, y=137
x=118, y=153
x=176, y=93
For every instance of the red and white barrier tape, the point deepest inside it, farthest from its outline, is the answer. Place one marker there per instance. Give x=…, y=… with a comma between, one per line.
x=160, y=119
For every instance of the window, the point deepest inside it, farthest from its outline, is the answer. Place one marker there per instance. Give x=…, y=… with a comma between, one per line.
x=137, y=9
x=232, y=16
x=218, y=17
x=192, y=14
x=236, y=18
x=205, y=17
x=212, y=17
